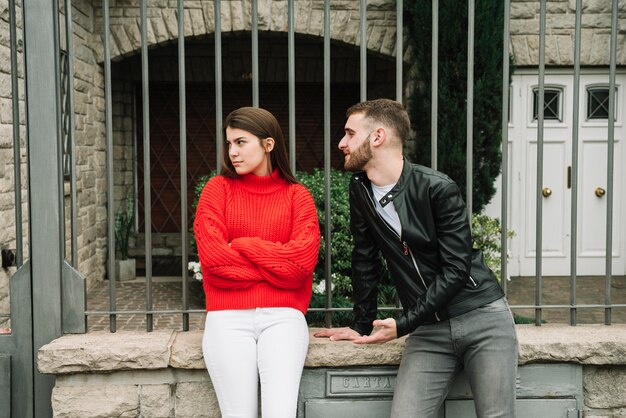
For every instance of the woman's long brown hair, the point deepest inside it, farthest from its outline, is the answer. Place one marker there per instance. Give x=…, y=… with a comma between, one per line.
x=261, y=124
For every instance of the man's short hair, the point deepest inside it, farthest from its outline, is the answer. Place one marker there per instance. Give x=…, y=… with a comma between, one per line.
x=389, y=113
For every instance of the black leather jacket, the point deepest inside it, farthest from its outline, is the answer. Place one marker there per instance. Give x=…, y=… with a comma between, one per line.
x=436, y=273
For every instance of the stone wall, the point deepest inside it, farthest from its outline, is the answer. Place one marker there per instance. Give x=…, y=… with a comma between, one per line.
x=162, y=374
x=90, y=146
x=560, y=30
x=236, y=16
x=7, y=160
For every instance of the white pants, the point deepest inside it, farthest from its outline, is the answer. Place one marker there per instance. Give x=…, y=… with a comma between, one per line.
x=239, y=346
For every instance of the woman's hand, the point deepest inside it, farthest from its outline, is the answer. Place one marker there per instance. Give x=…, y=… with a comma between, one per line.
x=337, y=334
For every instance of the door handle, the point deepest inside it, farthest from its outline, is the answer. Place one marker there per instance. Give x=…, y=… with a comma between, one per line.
x=600, y=191
x=546, y=192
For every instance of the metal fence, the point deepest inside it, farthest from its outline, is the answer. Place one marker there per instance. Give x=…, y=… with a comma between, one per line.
x=40, y=99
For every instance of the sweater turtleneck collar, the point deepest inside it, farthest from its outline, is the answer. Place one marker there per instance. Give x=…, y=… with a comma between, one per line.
x=262, y=184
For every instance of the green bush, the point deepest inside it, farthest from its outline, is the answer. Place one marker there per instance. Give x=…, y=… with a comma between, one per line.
x=197, y=191
x=341, y=248
x=487, y=232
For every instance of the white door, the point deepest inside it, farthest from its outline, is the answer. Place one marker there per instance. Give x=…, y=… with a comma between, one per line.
x=555, y=191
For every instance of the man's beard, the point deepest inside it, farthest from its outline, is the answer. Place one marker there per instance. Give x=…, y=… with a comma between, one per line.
x=359, y=157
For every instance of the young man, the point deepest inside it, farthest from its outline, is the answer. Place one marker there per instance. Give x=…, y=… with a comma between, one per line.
x=453, y=308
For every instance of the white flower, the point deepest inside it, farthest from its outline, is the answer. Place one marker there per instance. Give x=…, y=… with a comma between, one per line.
x=320, y=288
x=196, y=269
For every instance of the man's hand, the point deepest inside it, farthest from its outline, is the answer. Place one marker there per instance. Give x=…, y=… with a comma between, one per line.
x=386, y=332
x=337, y=334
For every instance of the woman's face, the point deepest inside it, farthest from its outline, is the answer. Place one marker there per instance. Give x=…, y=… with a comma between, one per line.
x=246, y=153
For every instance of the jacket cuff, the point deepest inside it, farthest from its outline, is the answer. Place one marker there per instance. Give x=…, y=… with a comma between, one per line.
x=362, y=330
x=402, y=327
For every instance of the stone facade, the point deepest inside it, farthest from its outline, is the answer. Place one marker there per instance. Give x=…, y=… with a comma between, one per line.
x=91, y=156
x=236, y=16
x=162, y=374
x=560, y=31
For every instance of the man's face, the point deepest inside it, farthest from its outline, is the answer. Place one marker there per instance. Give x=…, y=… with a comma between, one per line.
x=355, y=144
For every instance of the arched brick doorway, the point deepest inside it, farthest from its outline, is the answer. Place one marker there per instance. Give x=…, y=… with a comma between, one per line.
x=237, y=91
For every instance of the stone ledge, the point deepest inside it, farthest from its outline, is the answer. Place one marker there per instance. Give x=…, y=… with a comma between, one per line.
x=582, y=344
x=106, y=352
x=125, y=350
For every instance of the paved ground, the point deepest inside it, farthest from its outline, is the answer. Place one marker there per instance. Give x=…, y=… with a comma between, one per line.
x=167, y=295
x=556, y=291
x=131, y=296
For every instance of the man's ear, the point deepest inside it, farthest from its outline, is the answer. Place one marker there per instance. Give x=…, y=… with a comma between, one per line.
x=380, y=135
x=268, y=144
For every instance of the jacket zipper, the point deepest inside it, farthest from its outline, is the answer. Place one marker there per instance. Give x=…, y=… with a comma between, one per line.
x=407, y=250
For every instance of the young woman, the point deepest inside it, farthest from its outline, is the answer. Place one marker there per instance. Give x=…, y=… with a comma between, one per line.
x=258, y=237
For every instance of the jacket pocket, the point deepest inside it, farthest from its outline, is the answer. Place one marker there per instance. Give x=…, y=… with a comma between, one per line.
x=480, y=274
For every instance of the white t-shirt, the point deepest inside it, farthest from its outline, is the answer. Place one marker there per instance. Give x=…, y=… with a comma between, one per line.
x=388, y=212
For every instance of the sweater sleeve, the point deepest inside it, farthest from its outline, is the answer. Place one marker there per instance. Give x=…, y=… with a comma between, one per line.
x=221, y=264
x=287, y=265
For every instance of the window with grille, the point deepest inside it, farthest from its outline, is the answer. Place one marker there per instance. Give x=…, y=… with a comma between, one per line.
x=552, y=99
x=598, y=102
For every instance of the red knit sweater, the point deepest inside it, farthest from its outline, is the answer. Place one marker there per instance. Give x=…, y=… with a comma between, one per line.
x=258, y=240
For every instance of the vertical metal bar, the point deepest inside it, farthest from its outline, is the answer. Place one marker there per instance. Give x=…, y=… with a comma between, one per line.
x=327, y=171
x=59, y=115
x=504, y=202
x=399, y=49
x=610, y=167
x=73, y=296
x=17, y=162
x=399, y=68
x=434, y=84
x=470, y=107
x=540, y=114
x=69, y=39
x=109, y=153
x=363, y=50
x=147, y=186
x=255, y=53
x=182, y=109
x=291, y=79
x=134, y=157
x=574, y=174
x=218, y=84
x=46, y=233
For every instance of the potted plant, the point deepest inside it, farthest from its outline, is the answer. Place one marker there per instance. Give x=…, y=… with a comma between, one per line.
x=124, y=224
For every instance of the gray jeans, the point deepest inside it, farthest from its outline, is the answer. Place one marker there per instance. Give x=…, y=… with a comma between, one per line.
x=483, y=342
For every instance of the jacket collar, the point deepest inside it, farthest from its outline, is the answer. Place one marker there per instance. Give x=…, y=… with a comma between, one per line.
x=361, y=177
